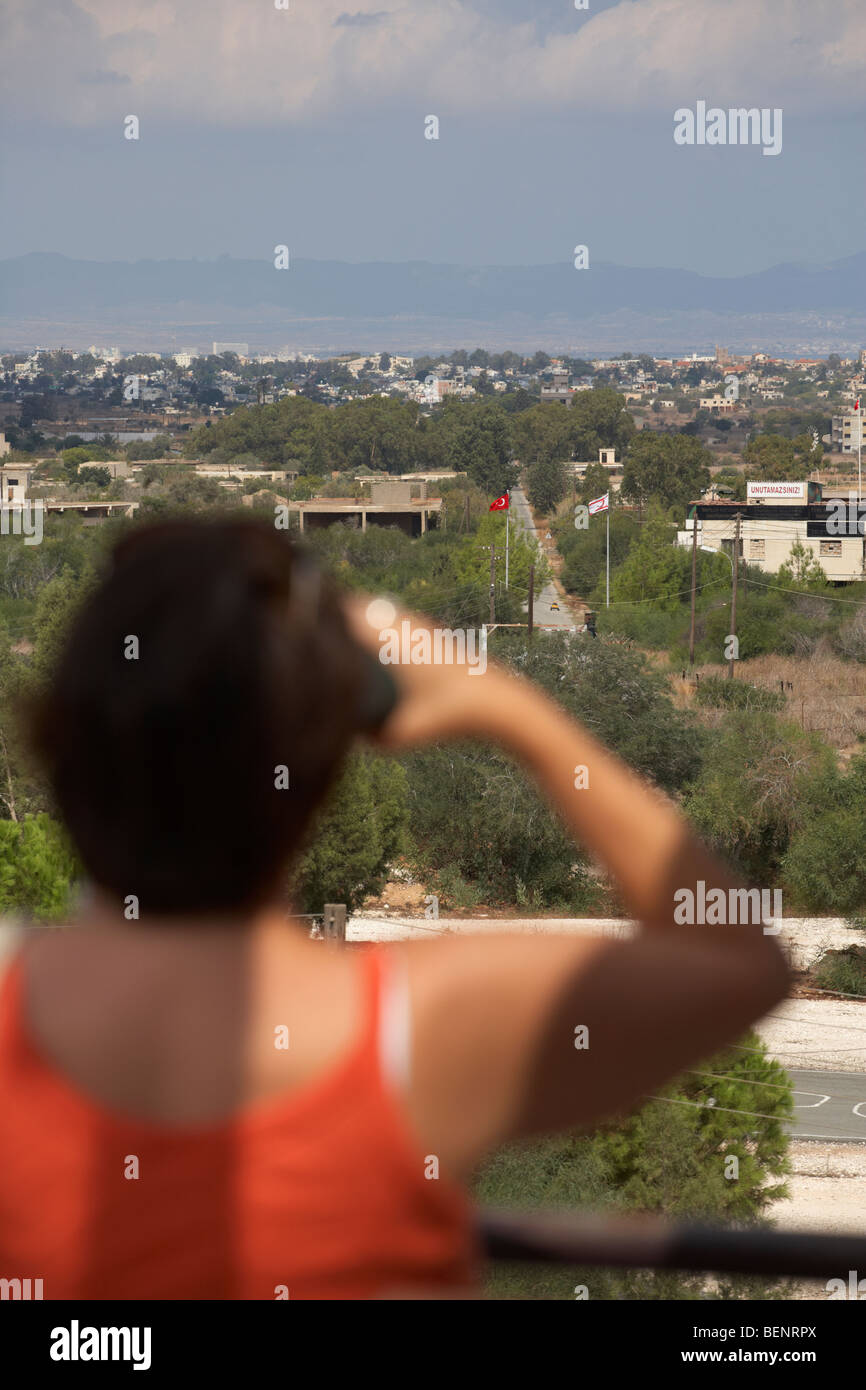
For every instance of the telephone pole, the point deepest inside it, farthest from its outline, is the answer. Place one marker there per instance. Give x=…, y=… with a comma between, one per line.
x=694, y=586
x=531, y=596
x=735, y=576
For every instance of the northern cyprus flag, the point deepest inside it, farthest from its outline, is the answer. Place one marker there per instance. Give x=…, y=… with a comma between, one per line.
x=600, y=504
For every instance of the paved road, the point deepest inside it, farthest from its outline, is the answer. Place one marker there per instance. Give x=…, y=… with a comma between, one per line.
x=550, y=617
x=829, y=1105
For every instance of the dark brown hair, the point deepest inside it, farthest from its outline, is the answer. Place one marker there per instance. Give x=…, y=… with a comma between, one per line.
x=163, y=751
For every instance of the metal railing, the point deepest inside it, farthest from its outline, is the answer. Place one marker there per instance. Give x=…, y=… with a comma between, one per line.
x=634, y=1242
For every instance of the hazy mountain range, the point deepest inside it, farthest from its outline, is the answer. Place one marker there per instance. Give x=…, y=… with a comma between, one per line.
x=51, y=300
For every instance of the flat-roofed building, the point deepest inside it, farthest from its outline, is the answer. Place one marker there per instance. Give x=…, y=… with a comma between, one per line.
x=390, y=504
x=846, y=432
x=774, y=517
x=14, y=483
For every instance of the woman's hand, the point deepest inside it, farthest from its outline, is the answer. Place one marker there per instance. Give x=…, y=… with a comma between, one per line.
x=438, y=699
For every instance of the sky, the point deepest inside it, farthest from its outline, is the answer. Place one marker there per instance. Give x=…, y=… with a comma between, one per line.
x=305, y=126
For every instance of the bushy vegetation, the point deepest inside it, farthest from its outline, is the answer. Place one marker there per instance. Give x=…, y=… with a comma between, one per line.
x=713, y=1147
x=717, y=692
x=358, y=836
x=36, y=869
x=844, y=971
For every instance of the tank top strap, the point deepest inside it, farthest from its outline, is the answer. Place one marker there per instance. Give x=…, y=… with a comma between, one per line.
x=11, y=980
x=390, y=1016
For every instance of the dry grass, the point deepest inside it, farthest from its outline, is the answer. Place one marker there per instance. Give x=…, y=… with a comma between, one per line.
x=827, y=695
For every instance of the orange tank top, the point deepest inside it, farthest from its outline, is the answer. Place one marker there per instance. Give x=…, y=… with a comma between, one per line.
x=319, y=1194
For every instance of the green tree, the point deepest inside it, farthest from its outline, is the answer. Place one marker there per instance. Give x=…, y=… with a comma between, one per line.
x=357, y=836
x=802, y=568
x=594, y=483
x=99, y=477
x=824, y=867
x=479, y=445
x=750, y=794
x=545, y=484
x=671, y=470
x=772, y=456
x=584, y=552
x=715, y=1148
x=656, y=570
x=37, y=868
x=542, y=434
x=598, y=419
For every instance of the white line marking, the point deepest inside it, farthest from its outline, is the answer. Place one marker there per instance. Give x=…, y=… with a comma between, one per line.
x=813, y=1105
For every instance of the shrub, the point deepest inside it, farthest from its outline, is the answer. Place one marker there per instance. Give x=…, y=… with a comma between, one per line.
x=844, y=970
x=717, y=692
x=672, y=1159
x=36, y=869
x=824, y=866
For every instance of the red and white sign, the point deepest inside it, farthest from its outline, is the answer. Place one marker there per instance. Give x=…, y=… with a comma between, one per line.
x=784, y=492
x=600, y=504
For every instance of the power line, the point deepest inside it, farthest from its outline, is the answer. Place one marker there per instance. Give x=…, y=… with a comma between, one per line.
x=844, y=1027
x=750, y=1114
x=801, y=1052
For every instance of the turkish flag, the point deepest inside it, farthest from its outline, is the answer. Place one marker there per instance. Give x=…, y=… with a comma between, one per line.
x=500, y=505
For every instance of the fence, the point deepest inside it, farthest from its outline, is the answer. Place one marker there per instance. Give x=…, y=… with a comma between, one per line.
x=327, y=925
x=653, y=1242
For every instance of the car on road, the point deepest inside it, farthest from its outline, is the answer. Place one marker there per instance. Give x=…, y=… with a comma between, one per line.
x=554, y=608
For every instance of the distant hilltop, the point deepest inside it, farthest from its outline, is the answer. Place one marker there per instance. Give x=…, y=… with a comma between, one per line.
x=47, y=297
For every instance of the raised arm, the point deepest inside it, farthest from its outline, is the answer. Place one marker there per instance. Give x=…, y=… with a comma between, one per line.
x=499, y=1047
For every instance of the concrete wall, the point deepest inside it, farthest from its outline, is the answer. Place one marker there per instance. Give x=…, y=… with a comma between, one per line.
x=382, y=493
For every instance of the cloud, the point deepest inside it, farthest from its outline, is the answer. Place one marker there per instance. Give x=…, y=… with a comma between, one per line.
x=245, y=63
x=360, y=19
x=102, y=77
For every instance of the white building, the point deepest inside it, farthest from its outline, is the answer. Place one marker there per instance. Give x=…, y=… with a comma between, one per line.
x=775, y=516
x=847, y=432
x=14, y=483
x=240, y=349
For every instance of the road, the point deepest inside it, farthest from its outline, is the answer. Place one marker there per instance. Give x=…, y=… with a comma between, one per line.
x=829, y=1105
x=544, y=615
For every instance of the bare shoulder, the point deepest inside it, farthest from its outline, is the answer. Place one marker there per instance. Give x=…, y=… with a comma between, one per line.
x=480, y=1004
x=524, y=1034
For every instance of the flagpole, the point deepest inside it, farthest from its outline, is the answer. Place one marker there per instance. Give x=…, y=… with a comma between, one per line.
x=507, y=519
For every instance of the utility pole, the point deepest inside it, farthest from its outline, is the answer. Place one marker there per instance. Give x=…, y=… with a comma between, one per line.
x=735, y=576
x=694, y=585
x=531, y=596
